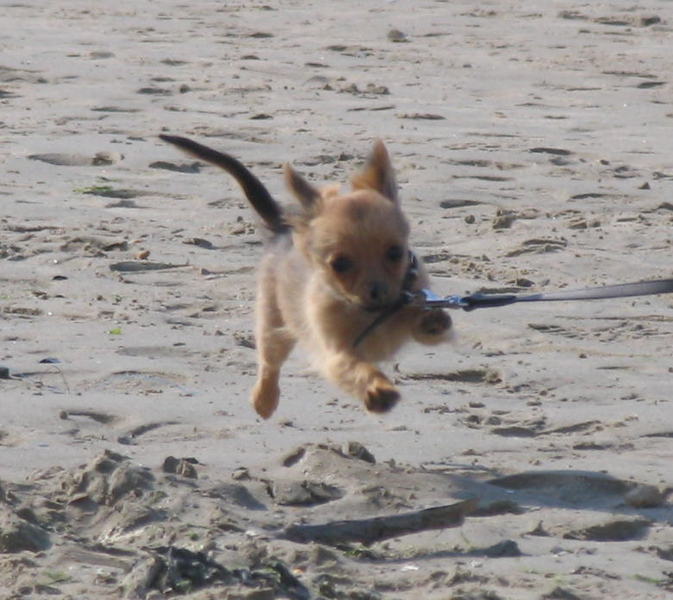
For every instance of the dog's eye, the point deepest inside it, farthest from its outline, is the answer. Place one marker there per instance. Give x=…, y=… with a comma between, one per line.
x=341, y=264
x=395, y=253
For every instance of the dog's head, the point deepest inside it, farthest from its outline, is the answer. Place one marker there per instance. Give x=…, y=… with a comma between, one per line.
x=359, y=240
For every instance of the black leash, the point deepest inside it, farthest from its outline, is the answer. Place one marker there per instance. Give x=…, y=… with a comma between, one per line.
x=427, y=299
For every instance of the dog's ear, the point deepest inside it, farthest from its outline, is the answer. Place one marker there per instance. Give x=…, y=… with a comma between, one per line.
x=308, y=195
x=378, y=174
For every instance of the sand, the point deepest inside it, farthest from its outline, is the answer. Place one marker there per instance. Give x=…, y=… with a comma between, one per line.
x=534, y=150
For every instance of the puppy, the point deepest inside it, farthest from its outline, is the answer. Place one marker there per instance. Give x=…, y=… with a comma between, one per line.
x=332, y=268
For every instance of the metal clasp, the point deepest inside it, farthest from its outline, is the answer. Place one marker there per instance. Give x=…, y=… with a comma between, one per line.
x=427, y=299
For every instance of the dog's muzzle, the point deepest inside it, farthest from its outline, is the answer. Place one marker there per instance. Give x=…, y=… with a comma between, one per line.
x=390, y=307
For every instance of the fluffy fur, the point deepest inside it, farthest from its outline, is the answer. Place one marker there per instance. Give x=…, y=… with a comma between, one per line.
x=330, y=269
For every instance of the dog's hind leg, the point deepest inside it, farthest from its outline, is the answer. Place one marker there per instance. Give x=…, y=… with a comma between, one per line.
x=273, y=348
x=274, y=344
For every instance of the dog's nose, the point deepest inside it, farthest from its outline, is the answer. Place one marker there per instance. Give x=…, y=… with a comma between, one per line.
x=378, y=292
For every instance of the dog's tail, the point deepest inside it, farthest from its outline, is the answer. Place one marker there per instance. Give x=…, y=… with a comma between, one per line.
x=260, y=198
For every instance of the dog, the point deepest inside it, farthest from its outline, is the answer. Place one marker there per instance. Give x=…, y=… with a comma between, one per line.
x=332, y=279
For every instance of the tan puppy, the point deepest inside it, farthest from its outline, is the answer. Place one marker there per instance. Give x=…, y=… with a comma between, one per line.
x=331, y=268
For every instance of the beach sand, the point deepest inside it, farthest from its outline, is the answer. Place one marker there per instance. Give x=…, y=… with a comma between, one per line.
x=533, y=144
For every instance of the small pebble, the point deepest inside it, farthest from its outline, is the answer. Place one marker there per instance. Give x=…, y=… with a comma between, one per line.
x=395, y=35
x=240, y=474
x=644, y=496
x=180, y=466
x=106, y=158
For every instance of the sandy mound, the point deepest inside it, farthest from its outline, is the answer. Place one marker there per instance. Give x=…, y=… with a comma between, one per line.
x=313, y=524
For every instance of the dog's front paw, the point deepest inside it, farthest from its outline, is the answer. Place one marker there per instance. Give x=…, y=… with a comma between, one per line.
x=381, y=396
x=432, y=326
x=435, y=322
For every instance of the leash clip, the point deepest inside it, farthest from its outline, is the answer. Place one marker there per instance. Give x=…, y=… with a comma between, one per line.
x=427, y=300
